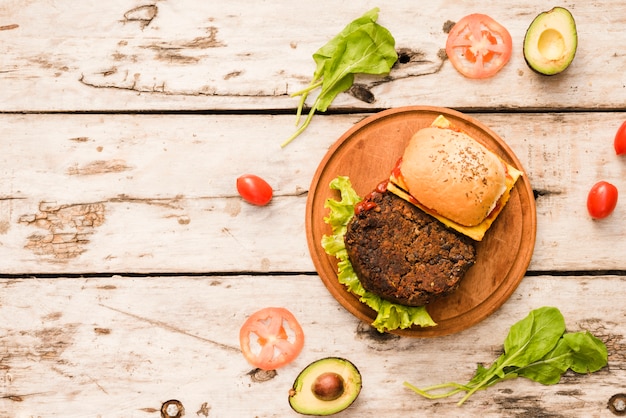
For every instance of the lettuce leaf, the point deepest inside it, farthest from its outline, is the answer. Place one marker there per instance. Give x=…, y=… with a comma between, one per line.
x=390, y=315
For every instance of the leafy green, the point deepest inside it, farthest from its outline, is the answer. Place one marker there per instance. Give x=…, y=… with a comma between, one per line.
x=537, y=348
x=390, y=315
x=362, y=47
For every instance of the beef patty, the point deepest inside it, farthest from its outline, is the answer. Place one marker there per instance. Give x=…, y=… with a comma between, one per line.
x=404, y=255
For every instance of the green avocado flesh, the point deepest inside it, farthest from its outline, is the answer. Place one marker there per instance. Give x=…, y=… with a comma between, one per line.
x=325, y=387
x=551, y=41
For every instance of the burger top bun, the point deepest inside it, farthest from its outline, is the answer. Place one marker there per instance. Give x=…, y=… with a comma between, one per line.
x=452, y=174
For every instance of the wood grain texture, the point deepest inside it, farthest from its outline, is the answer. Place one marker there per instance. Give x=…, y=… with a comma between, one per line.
x=103, y=351
x=161, y=190
x=123, y=55
x=128, y=262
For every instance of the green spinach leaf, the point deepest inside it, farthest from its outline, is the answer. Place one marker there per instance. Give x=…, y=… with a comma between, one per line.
x=549, y=369
x=327, y=51
x=537, y=348
x=589, y=354
x=362, y=47
x=533, y=337
x=579, y=351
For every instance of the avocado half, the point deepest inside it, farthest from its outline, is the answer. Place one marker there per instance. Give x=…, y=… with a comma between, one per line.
x=325, y=387
x=551, y=41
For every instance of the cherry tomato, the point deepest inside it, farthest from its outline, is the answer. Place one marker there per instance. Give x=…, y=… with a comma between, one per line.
x=478, y=46
x=254, y=189
x=601, y=200
x=620, y=140
x=274, y=346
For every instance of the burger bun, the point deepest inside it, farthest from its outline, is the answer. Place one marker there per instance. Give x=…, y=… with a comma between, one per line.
x=452, y=174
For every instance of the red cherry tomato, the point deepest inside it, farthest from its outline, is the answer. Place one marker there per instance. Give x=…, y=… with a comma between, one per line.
x=602, y=200
x=274, y=346
x=254, y=189
x=478, y=46
x=620, y=140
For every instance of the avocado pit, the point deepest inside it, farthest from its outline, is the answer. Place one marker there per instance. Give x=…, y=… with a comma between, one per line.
x=328, y=386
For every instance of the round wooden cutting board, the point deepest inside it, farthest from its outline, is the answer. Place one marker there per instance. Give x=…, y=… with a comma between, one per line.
x=366, y=154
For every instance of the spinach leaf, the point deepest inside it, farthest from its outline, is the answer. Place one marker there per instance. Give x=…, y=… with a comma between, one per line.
x=589, y=354
x=326, y=52
x=549, y=369
x=362, y=47
x=537, y=348
x=534, y=336
x=579, y=351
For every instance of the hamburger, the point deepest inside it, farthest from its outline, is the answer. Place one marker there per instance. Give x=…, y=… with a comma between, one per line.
x=454, y=178
x=412, y=239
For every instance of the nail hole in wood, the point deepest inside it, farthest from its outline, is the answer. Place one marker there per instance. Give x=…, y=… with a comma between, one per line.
x=617, y=404
x=172, y=409
x=404, y=58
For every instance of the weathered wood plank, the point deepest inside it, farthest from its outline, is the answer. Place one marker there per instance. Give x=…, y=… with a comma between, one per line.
x=104, y=351
x=110, y=193
x=122, y=55
x=145, y=193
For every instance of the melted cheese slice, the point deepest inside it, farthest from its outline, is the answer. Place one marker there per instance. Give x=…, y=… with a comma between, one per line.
x=398, y=187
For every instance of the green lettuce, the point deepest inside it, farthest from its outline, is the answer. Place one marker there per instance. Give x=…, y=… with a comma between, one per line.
x=390, y=315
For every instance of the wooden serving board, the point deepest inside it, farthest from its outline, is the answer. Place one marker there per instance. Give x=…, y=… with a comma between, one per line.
x=366, y=154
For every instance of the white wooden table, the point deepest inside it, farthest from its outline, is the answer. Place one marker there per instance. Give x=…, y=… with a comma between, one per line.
x=128, y=261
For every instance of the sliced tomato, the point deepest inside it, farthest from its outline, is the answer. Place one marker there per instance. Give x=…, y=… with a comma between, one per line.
x=279, y=338
x=478, y=46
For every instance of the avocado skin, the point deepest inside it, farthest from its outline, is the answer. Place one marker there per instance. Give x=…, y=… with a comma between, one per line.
x=553, y=68
x=301, y=397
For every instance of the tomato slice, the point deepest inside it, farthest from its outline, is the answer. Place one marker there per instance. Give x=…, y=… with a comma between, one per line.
x=478, y=46
x=601, y=200
x=279, y=338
